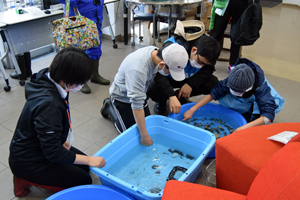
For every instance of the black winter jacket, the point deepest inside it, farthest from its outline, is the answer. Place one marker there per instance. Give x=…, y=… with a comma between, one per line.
x=42, y=129
x=195, y=82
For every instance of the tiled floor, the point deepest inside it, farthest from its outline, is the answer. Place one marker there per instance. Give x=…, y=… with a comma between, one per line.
x=277, y=52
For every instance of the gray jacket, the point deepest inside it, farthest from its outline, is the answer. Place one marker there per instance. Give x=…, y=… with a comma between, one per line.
x=133, y=78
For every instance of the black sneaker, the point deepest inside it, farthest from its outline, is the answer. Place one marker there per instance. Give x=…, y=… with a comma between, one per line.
x=108, y=110
x=160, y=107
x=104, y=109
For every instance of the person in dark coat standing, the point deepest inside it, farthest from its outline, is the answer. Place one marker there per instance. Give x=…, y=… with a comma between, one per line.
x=92, y=9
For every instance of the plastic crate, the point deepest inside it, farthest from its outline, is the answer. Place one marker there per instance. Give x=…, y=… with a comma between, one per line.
x=235, y=118
x=177, y=131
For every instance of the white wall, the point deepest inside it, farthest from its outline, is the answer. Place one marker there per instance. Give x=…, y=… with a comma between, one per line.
x=294, y=2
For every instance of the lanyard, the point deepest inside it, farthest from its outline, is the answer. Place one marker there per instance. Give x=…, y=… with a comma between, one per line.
x=70, y=135
x=68, y=112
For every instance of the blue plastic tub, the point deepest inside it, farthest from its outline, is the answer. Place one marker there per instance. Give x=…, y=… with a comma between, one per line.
x=213, y=110
x=90, y=192
x=125, y=153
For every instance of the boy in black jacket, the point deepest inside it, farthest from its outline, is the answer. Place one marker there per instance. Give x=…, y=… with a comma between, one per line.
x=203, y=52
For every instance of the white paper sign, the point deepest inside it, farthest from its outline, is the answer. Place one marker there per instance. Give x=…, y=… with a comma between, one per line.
x=283, y=137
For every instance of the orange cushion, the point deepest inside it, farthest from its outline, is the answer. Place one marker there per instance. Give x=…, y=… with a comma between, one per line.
x=280, y=177
x=183, y=190
x=241, y=155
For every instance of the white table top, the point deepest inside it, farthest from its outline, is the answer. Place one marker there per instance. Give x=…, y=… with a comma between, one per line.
x=163, y=2
x=110, y=1
x=10, y=17
x=2, y=25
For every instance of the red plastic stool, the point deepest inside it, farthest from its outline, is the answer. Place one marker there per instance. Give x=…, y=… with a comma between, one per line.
x=21, y=187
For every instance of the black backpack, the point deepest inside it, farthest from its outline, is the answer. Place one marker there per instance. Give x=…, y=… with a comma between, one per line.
x=246, y=30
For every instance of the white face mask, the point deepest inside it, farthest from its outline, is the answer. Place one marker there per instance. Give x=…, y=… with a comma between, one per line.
x=238, y=94
x=75, y=89
x=162, y=72
x=195, y=64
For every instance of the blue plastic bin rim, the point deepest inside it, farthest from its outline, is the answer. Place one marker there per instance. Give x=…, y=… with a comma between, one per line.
x=99, y=188
x=213, y=106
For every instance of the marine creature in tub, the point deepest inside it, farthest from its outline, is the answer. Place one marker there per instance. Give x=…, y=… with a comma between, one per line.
x=176, y=151
x=155, y=190
x=189, y=157
x=154, y=166
x=217, y=135
x=214, y=125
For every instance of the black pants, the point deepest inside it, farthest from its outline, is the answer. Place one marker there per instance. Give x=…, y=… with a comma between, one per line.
x=64, y=176
x=234, y=11
x=125, y=111
x=154, y=92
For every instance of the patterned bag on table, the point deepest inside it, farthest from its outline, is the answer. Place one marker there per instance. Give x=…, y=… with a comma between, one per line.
x=76, y=31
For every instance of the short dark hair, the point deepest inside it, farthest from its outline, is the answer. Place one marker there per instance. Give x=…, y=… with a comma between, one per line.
x=72, y=66
x=159, y=52
x=207, y=47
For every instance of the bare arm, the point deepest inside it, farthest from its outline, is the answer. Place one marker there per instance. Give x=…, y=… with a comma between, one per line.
x=92, y=161
x=174, y=104
x=185, y=91
x=188, y=114
x=139, y=116
x=257, y=122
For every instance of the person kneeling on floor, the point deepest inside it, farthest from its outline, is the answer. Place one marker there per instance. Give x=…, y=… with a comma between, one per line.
x=128, y=100
x=41, y=150
x=199, y=79
x=247, y=91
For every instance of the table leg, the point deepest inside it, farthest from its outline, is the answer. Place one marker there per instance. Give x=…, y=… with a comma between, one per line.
x=133, y=31
x=170, y=21
x=154, y=25
x=12, y=51
x=125, y=16
x=110, y=28
x=198, y=14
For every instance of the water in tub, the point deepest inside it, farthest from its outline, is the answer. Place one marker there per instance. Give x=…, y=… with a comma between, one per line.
x=219, y=125
x=148, y=167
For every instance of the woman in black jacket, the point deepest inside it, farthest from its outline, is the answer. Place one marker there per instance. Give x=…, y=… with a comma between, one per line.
x=40, y=150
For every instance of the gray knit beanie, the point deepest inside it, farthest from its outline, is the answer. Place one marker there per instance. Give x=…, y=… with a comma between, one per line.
x=241, y=78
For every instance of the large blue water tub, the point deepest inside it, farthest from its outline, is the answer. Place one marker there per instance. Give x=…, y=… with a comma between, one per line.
x=90, y=192
x=214, y=114
x=176, y=144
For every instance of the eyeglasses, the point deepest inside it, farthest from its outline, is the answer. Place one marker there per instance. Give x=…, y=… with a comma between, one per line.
x=201, y=62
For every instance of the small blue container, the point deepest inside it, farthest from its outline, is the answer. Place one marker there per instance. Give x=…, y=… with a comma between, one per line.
x=175, y=134
x=227, y=115
x=90, y=192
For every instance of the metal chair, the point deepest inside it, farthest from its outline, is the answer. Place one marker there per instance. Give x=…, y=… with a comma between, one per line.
x=7, y=87
x=141, y=16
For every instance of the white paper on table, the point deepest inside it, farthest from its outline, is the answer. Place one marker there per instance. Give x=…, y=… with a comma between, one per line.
x=283, y=137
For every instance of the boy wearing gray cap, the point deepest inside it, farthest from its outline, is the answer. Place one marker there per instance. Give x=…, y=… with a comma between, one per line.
x=128, y=100
x=247, y=91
